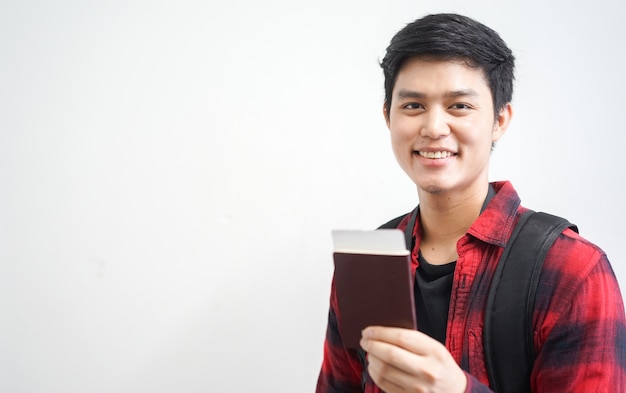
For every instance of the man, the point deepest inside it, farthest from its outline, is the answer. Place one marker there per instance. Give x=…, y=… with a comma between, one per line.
x=448, y=90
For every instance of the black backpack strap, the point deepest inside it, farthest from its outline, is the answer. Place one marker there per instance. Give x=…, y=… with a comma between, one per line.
x=508, y=333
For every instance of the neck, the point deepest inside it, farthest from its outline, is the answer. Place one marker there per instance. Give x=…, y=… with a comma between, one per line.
x=445, y=218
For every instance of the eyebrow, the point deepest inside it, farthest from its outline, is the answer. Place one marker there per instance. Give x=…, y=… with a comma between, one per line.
x=404, y=93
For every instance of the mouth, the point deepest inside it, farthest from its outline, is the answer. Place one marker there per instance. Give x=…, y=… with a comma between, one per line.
x=434, y=155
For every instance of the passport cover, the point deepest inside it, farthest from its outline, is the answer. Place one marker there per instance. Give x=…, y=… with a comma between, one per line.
x=373, y=289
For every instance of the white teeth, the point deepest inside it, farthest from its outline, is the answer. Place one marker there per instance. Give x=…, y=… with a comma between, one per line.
x=435, y=154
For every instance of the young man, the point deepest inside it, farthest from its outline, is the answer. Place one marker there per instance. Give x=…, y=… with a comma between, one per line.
x=448, y=90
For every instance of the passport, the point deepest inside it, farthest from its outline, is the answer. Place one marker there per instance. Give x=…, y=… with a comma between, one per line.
x=373, y=282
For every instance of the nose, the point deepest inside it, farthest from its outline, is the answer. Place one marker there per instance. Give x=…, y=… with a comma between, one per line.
x=435, y=125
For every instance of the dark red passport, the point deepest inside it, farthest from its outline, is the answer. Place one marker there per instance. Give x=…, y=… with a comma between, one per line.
x=373, y=289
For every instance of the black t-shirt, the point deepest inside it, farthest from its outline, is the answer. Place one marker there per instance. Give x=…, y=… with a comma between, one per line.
x=433, y=288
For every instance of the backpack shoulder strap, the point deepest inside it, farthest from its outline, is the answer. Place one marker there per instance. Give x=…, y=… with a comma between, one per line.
x=508, y=332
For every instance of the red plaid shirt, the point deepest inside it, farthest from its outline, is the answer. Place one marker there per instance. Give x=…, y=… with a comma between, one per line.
x=579, y=322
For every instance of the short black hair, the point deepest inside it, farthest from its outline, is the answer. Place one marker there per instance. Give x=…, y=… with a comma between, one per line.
x=453, y=37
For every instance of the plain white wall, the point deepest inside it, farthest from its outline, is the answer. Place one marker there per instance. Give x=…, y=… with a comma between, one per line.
x=171, y=171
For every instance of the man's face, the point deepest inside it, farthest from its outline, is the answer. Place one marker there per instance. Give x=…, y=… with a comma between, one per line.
x=442, y=125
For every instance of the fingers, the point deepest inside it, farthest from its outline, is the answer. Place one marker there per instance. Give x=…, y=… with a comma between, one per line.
x=388, y=378
x=412, y=340
x=407, y=360
x=386, y=357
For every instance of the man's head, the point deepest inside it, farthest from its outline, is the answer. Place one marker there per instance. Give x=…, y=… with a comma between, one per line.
x=453, y=37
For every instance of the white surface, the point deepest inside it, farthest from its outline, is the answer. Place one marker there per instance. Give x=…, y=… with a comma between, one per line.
x=171, y=172
x=381, y=242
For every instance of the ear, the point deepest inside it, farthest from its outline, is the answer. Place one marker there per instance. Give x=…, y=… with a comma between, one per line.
x=386, y=114
x=502, y=121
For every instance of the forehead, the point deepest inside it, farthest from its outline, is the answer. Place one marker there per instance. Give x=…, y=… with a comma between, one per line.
x=439, y=76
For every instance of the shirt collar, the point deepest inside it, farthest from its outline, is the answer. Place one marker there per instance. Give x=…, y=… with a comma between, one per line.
x=499, y=215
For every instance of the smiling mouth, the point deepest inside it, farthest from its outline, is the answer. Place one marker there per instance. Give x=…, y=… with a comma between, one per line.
x=435, y=154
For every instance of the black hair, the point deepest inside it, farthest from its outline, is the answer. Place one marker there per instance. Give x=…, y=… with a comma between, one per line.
x=453, y=37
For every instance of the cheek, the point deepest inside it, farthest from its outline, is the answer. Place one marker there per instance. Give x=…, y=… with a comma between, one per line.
x=397, y=138
x=402, y=131
x=474, y=134
x=401, y=144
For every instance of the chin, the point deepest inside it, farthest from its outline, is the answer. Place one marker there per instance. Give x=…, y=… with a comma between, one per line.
x=435, y=190
x=430, y=188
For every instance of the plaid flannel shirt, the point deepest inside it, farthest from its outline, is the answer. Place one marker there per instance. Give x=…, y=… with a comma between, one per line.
x=579, y=322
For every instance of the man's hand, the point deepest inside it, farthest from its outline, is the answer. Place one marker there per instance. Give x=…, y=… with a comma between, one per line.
x=404, y=360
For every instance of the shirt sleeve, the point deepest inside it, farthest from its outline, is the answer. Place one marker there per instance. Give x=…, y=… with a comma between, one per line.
x=341, y=368
x=475, y=386
x=582, y=339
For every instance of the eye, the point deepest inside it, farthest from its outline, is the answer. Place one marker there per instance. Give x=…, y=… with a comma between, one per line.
x=461, y=106
x=412, y=105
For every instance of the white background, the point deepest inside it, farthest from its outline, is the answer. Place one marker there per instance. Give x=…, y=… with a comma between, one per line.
x=170, y=172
